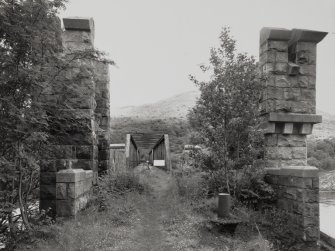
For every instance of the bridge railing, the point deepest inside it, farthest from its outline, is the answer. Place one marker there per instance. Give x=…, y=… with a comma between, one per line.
x=160, y=153
x=132, y=152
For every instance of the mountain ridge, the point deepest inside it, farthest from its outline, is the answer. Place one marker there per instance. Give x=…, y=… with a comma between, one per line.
x=177, y=107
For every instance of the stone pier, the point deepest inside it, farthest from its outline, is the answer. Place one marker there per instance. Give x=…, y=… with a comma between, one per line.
x=82, y=138
x=288, y=61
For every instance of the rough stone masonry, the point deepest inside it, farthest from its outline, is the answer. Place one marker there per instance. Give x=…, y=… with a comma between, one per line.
x=84, y=145
x=288, y=62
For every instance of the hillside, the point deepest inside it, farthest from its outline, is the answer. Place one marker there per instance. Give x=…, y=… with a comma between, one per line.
x=174, y=107
x=178, y=106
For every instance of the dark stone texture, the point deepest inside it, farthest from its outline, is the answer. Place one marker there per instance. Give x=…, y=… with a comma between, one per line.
x=79, y=24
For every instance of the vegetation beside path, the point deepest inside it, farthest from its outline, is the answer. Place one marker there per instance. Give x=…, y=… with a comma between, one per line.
x=143, y=211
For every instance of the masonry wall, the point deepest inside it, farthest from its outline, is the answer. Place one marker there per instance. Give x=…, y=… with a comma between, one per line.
x=73, y=191
x=288, y=64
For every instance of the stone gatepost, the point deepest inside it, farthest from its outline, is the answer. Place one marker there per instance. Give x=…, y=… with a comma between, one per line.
x=75, y=139
x=288, y=60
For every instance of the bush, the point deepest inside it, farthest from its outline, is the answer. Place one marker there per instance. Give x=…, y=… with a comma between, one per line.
x=120, y=182
x=192, y=186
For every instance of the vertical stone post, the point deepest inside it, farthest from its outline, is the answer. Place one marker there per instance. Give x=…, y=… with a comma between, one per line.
x=75, y=139
x=78, y=37
x=288, y=59
x=73, y=191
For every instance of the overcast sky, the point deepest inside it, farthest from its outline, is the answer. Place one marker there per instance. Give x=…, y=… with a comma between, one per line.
x=158, y=43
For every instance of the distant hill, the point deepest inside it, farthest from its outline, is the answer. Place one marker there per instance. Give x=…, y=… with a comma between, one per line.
x=326, y=129
x=177, y=107
x=174, y=107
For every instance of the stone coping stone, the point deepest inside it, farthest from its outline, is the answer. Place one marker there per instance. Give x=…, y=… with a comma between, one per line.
x=278, y=34
x=70, y=175
x=297, y=171
x=300, y=35
x=117, y=146
x=294, y=117
x=79, y=24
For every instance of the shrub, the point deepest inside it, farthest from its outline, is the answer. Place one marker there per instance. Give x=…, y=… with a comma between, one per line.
x=120, y=182
x=192, y=186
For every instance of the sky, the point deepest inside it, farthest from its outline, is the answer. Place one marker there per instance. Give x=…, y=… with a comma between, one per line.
x=157, y=44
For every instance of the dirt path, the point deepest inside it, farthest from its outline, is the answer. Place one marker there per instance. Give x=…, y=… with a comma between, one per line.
x=157, y=220
x=149, y=232
x=163, y=222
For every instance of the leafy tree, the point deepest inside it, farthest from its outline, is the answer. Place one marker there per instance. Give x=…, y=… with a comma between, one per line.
x=226, y=113
x=32, y=63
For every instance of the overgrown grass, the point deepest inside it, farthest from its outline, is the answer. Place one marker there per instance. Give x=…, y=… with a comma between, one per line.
x=107, y=218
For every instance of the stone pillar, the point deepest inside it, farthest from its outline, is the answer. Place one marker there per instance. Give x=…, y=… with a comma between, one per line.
x=73, y=191
x=288, y=61
x=74, y=144
x=78, y=37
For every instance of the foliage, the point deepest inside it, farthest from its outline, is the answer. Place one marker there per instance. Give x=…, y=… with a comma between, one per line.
x=120, y=182
x=226, y=113
x=33, y=64
x=192, y=186
x=321, y=154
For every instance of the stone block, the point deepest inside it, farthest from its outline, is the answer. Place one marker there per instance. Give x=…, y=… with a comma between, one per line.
x=291, y=140
x=70, y=175
x=312, y=234
x=307, y=81
x=281, y=46
x=77, y=41
x=308, y=70
x=308, y=94
x=288, y=128
x=309, y=47
x=276, y=34
x=301, y=35
x=291, y=181
x=79, y=24
x=65, y=208
x=278, y=81
x=274, y=56
x=269, y=140
x=61, y=191
x=297, y=118
x=48, y=192
x=299, y=152
x=76, y=189
x=306, y=128
x=293, y=69
x=294, y=162
x=307, y=107
x=47, y=178
x=296, y=171
x=290, y=193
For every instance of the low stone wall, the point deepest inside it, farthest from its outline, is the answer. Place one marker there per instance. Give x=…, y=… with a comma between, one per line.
x=297, y=189
x=73, y=191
